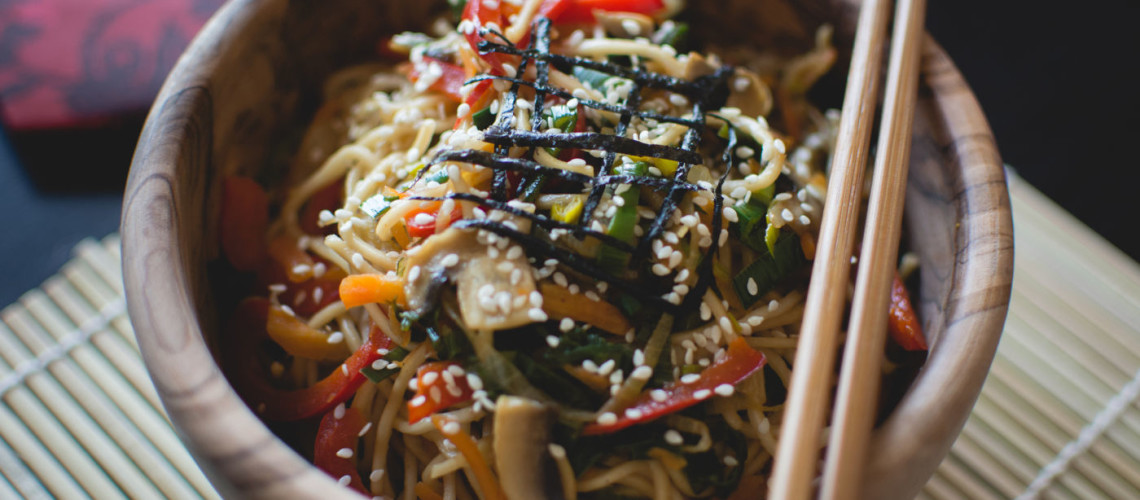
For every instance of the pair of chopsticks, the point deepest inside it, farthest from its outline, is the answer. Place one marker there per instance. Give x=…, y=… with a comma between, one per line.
x=797, y=455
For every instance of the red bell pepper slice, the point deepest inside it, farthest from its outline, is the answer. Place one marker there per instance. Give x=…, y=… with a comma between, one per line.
x=435, y=396
x=336, y=434
x=741, y=361
x=582, y=11
x=247, y=329
x=423, y=229
x=450, y=81
x=479, y=13
x=328, y=198
x=245, y=217
x=902, y=323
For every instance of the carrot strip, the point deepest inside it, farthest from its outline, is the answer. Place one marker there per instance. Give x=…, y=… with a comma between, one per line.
x=559, y=303
x=470, y=451
x=424, y=492
x=360, y=289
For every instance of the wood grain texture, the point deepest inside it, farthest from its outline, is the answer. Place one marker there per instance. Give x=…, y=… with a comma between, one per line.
x=256, y=67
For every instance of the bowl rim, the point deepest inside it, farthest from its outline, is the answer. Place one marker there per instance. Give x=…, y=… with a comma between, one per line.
x=242, y=457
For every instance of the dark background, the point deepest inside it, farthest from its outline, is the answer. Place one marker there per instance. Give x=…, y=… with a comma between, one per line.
x=1057, y=82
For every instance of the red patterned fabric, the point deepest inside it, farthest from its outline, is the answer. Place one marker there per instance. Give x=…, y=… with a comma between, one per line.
x=80, y=62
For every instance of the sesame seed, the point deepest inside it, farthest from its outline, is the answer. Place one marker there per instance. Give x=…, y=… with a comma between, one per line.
x=414, y=384
x=730, y=214
x=691, y=378
x=706, y=313
x=783, y=197
x=515, y=252
x=414, y=273
x=429, y=378
x=682, y=275
x=681, y=289
x=336, y=338
x=454, y=390
x=642, y=372
x=725, y=390
x=638, y=357
x=755, y=320
x=376, y=475
x=277, y=288
x=536, y=314
x=753, y=288
x=456, y=370
x=607, y=367
x=435, y=394
x=659, y=395
x=344, y=480
x=302, y=269
x=702, y=394
x=805, y=220
x=560, y=279
x=633, y=413
x=566, y=324
x=448, y=377
x=631, y=27
x=673, y=437
x=318, y=294
x=773, y=305
x=590, y=366
x=660, y=269
x=590, y=294
x=449, y=260
x=344, y=453
x=730, y=461
x=338, y=412
x=535, y=299
x=451, y=428
x=379, y=364
x=607, y=418
x=552, y=341
x=745, y=152
x=616, y=377
x=364, y=430
x=474, y=382
x=673, y=298
x=787, y=215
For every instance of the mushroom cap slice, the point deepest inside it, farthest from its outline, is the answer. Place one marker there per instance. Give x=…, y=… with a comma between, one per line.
x=522, y=439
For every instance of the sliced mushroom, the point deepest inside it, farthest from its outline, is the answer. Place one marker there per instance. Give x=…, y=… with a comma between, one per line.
x=749, y=94
x=625, y=24
x=491, y=294
x=522, y=439
x=697, y=66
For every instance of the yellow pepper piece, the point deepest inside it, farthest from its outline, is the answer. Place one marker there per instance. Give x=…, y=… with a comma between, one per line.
x=568, y=212
x=298, y=339
x=667, y=167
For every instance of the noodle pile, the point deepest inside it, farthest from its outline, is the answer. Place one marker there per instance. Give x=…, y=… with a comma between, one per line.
x=544, y=257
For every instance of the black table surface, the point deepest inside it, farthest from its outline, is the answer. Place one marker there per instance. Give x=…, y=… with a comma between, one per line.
x=1057, y=82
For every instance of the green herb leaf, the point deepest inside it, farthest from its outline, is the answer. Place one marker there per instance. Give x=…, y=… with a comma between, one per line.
x=769, y=268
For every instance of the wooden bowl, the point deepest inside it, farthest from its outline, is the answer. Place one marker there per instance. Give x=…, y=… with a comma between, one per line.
x=255, y=70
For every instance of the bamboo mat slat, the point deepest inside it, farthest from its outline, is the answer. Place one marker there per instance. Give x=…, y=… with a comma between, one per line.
x=1057, y=418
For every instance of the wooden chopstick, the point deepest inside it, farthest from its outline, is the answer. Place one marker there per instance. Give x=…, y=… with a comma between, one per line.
x=862, y=358
x=798, y=450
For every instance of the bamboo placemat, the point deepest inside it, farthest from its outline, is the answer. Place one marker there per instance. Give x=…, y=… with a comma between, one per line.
x=79, y=417
x=1058, y=416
